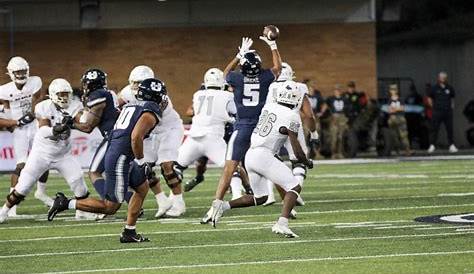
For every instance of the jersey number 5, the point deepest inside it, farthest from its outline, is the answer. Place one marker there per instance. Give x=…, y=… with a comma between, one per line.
x=251, y=95
x=124, y=119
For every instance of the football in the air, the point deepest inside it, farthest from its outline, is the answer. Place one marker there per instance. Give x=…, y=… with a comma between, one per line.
x=271, y=32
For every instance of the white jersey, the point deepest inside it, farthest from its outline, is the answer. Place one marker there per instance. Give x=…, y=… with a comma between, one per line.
x=20, y=100
x=211, y=112
x=267, y=132
x=273, y=88
x=169, y=119
x=47, y=110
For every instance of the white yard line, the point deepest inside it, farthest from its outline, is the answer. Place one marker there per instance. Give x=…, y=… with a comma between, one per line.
x=346, y=258
x=68, y=253
x=460, y=194
x=400, y=226
x=444, y=227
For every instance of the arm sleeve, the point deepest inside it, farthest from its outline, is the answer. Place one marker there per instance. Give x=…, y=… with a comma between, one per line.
x=293, y=122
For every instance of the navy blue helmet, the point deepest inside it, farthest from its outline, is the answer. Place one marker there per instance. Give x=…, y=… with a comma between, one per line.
x=152, y=89
x=93, y=79
x=251, y=65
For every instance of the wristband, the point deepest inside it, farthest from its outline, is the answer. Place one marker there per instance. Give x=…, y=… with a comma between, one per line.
x=140, y=162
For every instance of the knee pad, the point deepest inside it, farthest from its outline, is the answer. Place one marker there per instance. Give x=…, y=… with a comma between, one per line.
x=173, y=179
x=83, y=196
x=299, y=169
x=14, y=198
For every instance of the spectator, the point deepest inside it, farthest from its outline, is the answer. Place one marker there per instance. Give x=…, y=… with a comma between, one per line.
x=441, y=100
x=338, y=107
x=357, y=101
x=396, y=119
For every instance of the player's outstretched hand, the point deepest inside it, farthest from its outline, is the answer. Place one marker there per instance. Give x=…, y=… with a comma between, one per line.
x=244, y=47
x=26, y=119
x=314, y=140
x=59, y=129
x=270, y=43
x=145, y=167
x=309, y=164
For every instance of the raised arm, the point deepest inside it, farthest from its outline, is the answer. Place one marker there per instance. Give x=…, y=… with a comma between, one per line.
x=276, y=58
x=307, y=115
x=243, y=49
x=93, y=117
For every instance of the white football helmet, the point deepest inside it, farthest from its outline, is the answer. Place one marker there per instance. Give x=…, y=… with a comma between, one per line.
x=214, y=77
x=140, y=73
x=15, y=65
x=62, y=86
x=288, y=93
x=287, y=73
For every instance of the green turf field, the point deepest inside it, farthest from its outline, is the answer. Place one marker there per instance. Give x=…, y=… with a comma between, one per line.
x=357, y=219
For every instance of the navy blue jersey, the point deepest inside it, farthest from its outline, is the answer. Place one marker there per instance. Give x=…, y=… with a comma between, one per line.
x=110, y=113
x=120, y=136
x=250, y=95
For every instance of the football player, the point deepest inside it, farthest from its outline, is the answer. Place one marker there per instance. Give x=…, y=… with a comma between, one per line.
x=125, y=165
x=212, y=108
x=303, y=109
x=161, y=148
x=278, y=122
x=250, y=86
x=101, y=112
x=20, y=97
x=52, y=147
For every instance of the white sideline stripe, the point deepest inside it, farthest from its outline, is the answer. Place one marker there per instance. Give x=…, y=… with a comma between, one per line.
x=443, y=227
x=367, y=257
x=456, y=194
x=235, y=244
x=301, y=213
x=362, y=225
x=400, y=226
x=371, y=175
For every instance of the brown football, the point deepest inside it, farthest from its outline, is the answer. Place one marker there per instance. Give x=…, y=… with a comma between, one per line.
x=271, y=32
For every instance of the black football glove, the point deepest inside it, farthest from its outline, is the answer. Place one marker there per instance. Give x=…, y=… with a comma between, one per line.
x=26, y=119
x=147, y=168
x=59, y=129
x=309, y=163
x=68, y=121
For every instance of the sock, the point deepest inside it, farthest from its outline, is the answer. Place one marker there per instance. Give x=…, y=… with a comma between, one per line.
x=72, y=204
x=99, y=186
x=236, y=185
x=4, y=210
x=128, y=196
x=161, y=198
x=271, y=195
x=283, y=221
x=41, y=187
x=199, y=178
x=178, y=197
x=226, y=206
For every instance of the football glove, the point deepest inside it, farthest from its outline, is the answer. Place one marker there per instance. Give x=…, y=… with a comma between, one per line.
x=270, y=43
x=68, y=121
x=244, y=47
x=147, y=168
x=58, y=129
x=314, y=140
x=25, y=119
x=309, y=163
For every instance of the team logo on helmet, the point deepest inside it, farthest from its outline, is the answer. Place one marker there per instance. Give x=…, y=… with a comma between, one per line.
x=92, y=75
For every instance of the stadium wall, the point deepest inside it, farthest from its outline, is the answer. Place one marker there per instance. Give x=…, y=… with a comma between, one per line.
x=330, y=53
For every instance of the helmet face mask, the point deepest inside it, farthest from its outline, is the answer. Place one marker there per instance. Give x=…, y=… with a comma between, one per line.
x=251, y=65
x=60, y=93
x=18, y=70
x=287, y=94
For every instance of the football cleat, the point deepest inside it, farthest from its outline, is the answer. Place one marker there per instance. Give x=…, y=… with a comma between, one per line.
x=207, y=218
x=83, y=216
x=12, y=212
x=284, y=230
x=299, y=201
x=178, y=208
x=189, y=185
x=60, y=204
x=3, y=218
x=131, y=236
x=48, y=201
x=216, y=211
x=453, y=149
x=163, y=207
